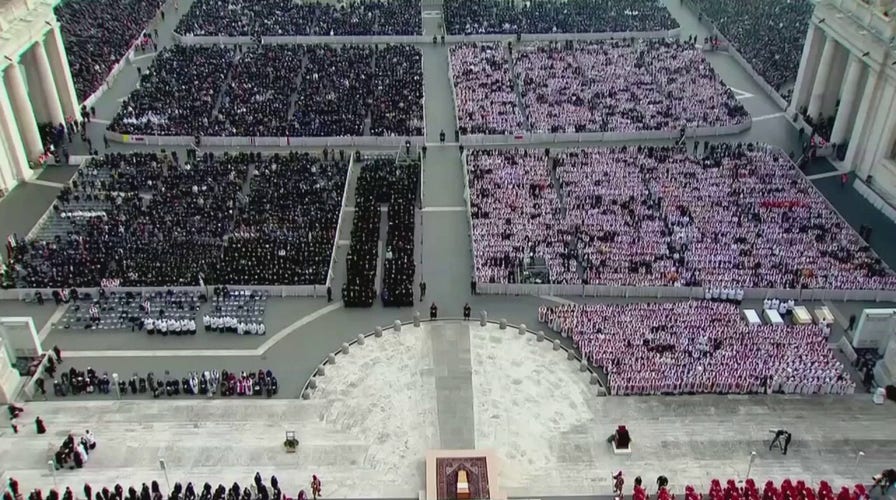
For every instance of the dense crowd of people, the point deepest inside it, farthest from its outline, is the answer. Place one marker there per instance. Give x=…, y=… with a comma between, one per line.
x=359, y=289
x=287, y=227
x=464, y=17
x=768, y=33
x=257, y=97
x=209, y=383
x=279, y=91
x=178, y=93
x=288, y=18
x=739, y=216
x=155, y=220
x=383, y=181
x=513, y=204
x=484, y=90
x=397, y=107
x=98, y=33
x=258, y=490
x=398, y=265
x=698, y=347
x=621, y=86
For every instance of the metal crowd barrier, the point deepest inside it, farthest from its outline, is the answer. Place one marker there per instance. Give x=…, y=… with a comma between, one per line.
x=407, y=39
x=668, y=292
x=348, y=141
x=558, y=37
x=273, y=291
x=536, y=138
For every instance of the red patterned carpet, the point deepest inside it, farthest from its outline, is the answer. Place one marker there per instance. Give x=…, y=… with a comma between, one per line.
x=477, y=475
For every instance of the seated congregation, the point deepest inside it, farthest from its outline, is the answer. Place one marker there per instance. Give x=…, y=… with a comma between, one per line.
x=484, y=90
x=464, y=17
x=600, y=86
x=755, y=26
x=97, y=35
x=75, y=451
x=314, y=18
x=210, y=383
x=153, y=491
x=394, y=183
x=152, y=220
x=743, y=490
x=278, y=91
x=698, y=347
x=739, y=216
x=648, y=85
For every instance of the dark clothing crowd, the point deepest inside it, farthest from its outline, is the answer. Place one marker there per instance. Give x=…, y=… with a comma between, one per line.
x=208, y=383
x=465, y=17
x=289, y=18
x=153, y=491
x=383, y=181
x=98, y=33
x=398, y=266
x=768, y=33
x=144, y=219
x=278, y=91
x=177, y=94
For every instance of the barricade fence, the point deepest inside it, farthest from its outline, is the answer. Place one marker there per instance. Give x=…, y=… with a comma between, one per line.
x=348, y=176
x=416, y=39
x=273, y=291
x=182, y=140
x=670, y=292
x=536, y=138
x=662, y=292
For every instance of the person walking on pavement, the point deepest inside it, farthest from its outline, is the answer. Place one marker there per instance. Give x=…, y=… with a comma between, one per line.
x=422, y=290
x=467, y=311
x=433, y=311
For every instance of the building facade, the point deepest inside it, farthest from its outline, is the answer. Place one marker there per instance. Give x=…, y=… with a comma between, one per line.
x=848, y=71
x=36, y=87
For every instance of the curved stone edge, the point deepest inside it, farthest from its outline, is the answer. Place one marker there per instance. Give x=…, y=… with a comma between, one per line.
x=397, y=327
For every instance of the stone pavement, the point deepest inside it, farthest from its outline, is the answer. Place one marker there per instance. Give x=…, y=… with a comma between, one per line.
x=377, y=410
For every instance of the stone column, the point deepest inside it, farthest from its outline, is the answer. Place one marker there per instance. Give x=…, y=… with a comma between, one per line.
x=849, y=98
x=15, y=151
x=812, y=48
x=27, y=125
x=62, y=74
x=7, y=172
x=821, y=77
x=47, y=83
x=861, y=127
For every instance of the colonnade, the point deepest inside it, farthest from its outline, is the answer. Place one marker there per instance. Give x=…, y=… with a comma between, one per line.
x=848, y=72
x=36, y=88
